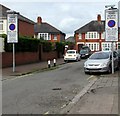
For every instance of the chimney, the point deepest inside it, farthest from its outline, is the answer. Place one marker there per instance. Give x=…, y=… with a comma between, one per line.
x=99, y=18
x=39, y=20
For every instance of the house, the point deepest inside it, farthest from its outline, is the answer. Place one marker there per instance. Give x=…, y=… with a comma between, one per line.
x=70, y=39
x=25, y=25
x=46, y=31
x=93, y=35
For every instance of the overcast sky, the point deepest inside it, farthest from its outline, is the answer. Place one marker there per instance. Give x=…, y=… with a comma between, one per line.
x=65, y=15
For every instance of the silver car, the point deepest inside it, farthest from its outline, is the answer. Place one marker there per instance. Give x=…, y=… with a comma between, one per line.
x=101, y=62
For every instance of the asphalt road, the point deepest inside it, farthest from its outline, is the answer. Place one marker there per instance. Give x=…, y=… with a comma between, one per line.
x=44, y=92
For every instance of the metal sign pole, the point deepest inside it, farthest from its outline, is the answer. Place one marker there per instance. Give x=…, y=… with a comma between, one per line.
x=112, y=60
x=12, y=31
x=111, y=29
x=13, y=57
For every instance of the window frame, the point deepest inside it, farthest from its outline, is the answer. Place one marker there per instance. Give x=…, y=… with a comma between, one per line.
x=54, y=37
x=1, y=25
x=92, y=35
x=44, y=35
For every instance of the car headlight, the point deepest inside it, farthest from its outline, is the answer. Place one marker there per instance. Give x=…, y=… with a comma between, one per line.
x=104, y=65
x=86, y=54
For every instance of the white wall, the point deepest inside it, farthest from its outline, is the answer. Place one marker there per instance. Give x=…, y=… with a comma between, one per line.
x=4, y=31
x=119, y=12
x=1, y=44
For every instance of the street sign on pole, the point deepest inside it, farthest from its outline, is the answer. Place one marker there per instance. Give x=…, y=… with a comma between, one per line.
x=111, y=28
x=111, y=24
x=12, y=31
x=12, y=28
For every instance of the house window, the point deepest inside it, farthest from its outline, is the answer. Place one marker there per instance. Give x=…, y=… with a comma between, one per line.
x=80, y=36
x=49, y=37
x=43, y=36
x=91, y=35
x=95, y=35
x=55, y=37
x=1, y=25
x=103, y=35
x=93, y=46
x=108, y=45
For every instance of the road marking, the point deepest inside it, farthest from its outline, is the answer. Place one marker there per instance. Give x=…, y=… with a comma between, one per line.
x=91, y=77
x=21, y=76
x=46, y=113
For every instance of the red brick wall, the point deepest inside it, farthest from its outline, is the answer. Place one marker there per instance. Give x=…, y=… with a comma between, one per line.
x=52, y=38
x=6, y=59
x=20, y=58
x=26, y=29
x=87, y=40
x=26, y=57
x=48, y=55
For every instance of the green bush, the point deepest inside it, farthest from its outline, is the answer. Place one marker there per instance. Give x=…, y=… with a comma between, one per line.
x=24, y=44
x=47, y=46
x=60, y=47
x=3, y=35
x=27, y=44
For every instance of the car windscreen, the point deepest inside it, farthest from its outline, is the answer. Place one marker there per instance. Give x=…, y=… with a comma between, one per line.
x=70, y=52
x=100, y=55
x=83, y=51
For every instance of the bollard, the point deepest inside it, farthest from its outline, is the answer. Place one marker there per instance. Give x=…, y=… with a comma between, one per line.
x=54, y=61
x=48, y=63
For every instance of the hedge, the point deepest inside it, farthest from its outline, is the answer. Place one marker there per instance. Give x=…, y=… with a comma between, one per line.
x=25, y=44
x=47, y=46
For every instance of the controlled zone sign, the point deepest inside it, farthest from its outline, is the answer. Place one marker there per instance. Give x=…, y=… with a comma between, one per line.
x=12, y=28
x=111, y=25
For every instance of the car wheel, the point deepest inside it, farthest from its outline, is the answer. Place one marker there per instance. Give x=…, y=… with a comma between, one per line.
x=65, y=61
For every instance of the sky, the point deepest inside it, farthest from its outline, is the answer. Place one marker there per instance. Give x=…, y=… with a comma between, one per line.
x=65, y=15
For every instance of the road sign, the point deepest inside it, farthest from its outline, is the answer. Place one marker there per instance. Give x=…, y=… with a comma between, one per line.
x=12, y=29
x=111, y=25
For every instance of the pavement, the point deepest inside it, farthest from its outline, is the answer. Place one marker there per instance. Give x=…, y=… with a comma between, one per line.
x=7, y=73
x=99, y=97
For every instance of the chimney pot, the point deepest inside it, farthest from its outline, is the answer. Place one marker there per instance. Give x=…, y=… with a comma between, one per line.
x=99, y=18
x=39, y=20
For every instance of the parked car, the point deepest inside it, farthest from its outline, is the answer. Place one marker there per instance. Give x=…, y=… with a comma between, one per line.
x=118, y=51
x=101, y=62
x=85, y=53
x=85, y=47
x=106, y=49
x=71, y=55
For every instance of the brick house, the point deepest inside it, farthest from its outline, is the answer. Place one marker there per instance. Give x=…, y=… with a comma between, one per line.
x=25, y=25
x=93, y=35
x=47, y=32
